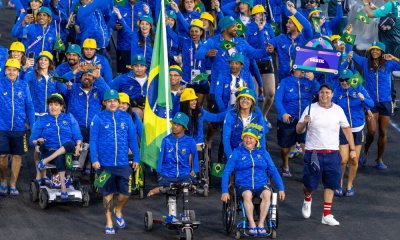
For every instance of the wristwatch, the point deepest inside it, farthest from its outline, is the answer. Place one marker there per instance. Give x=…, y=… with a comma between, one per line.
x=352, y=150
x=365, y=4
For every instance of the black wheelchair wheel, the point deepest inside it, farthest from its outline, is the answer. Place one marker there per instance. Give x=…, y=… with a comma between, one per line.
x=233, y=207
x=220, y=152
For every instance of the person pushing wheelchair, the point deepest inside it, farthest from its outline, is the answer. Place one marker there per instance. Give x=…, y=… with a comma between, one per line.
x=251, y=160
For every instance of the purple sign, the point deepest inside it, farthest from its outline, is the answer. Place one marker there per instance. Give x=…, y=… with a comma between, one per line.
x=317, y=60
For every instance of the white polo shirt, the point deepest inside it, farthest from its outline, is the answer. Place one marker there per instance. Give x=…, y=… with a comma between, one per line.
x=324, y=126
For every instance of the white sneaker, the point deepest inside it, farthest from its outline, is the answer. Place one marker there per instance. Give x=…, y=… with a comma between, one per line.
x=330, y=220
x=306, y=210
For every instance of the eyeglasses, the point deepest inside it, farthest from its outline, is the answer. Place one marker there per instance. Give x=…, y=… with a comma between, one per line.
x=174, y=75
x=237, y=83
x=245, y=99
x=310, y=1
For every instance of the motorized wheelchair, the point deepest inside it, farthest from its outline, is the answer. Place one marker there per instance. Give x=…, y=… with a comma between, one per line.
x=51, y=193
x=138, y=185
x=235, y=207
x=186, y=221
x=203, y=179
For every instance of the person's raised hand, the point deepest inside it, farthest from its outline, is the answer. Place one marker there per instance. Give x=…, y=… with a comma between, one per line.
x=217, y=5
x=212, y=53
x=322, y=20
x=310, y=75
x=69, y=85
x=146, y=8
x=116, y=11
x=174, y=6
x=181, y=89
x=349, y=29
x=388, y=57
x=350, y=56
x=28, y=19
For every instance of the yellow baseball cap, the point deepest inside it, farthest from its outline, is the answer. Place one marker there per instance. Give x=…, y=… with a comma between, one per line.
x=188, y=94
x=124, y=98
x=89, y=43
x=258, y=9
x=206, y=15
x=196, y=23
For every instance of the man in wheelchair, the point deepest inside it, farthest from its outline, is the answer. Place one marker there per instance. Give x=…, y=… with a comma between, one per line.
x=59, y=132
x=251, y=160
x=176, y=152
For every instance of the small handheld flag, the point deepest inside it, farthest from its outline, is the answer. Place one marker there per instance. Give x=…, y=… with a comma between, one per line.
x=240, y=27
x=68, y=160
x=218, y=169
x=60, y=79
x=120, y=2
x=348, y=38
x=102, y=179
x=199, y=8
x=59, y=44
x=356, y=80
x=167, y=2
x=201, y=77
x=317, y=27
x=276, y=29
x=362, y=17
x=226, y=45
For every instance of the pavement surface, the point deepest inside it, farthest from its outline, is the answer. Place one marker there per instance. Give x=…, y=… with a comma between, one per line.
x=373, y=213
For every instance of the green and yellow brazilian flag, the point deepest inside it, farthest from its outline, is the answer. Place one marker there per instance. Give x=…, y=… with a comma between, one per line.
x=226, y=45
x=218, y=169
x=240, y=27
x=120, y=2
x=356, y=80
x=155, y=125
x=362, y=17
x=317, y=27
x=348, y=38
x=276, y=28
x=102, y=179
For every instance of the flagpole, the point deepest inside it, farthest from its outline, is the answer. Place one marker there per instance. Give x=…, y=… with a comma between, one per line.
x=165, y=53
x=309, y=106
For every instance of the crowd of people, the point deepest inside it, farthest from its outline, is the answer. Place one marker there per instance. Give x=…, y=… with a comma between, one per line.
x=234, y=42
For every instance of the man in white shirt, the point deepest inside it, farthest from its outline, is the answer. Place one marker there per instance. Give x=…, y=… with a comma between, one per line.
x=322, y=158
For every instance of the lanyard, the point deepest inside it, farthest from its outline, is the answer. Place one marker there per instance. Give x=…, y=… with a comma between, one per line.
x=30, y=46
x=191, y=55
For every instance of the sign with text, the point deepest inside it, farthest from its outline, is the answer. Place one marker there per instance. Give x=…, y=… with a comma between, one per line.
x=317, y=60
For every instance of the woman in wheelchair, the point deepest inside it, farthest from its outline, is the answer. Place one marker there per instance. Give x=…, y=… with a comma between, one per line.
x=250, y=160
x=243, y=113
x=59, y=132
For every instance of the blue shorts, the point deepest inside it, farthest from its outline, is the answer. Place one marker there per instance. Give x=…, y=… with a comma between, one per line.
x=330, y=171
x=85, y=132
x=59, y=161
x=383, y=108
x=13, y=142
x=287, y=135
x=200, y=89
x=164, y=181
x=359, y=137
x=120, y=180
x=256, y=192
x=215, y=110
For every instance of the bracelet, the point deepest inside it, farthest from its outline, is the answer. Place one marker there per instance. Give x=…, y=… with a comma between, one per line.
x=365, y=4
x=352, y=150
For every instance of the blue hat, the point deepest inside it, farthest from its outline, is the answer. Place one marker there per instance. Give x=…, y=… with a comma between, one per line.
x=328, y=85
x=247, y=92
x=250, y=2
x=377, y=45
x=171, y=14
x=236, y=57
x=139, y=59
x=181, y=119
x=314, y=10
x=110, y=94
x=45, y=10
x=345, y=73
x=226, y=22
x=74, y=48
x=146, y=18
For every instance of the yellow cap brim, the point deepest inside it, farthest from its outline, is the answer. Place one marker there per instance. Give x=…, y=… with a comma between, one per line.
x=209, y=18
x=333, y=38
x=297, y=23
x=250, y=134
x=246, y=95
x=369, y=49
x=311, y=13
x=138, y=23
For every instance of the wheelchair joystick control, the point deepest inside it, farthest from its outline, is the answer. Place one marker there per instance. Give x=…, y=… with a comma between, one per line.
x=83, y=154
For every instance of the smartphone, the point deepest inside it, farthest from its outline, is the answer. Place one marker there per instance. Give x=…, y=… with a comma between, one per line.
x=31, y=55
x=29, y=11
x=291, y=119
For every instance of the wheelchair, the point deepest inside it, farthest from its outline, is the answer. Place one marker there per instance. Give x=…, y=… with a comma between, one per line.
x=235, y=205
x=138, y=185
x=204, y=177
x=186, y=222
x=51, y=193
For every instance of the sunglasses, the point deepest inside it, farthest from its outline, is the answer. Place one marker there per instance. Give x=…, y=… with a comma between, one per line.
x=342, y=80
x=308, y=1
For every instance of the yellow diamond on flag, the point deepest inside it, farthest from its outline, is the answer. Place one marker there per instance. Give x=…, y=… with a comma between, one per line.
x=103, y=178
x=218, y=168
x=363, y=19
x=227, y=45
x=349, y=39
x=355, y=81
x=239, y=27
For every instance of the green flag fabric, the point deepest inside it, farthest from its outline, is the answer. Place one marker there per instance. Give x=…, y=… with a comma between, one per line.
x=317, y=27
x=120, y=2
x=156, y=123
x=199, y=8
x=59, y=44
x=276, y=28
x=362, y=17
x=201, y=77
x=60, y=79
x=102, y=179
x=68, y=160
x=356, y=80
x=218, y=169
x=348, y=38
x=226, y=45
x=76, y=7
x=167, y=2
x=240, y=27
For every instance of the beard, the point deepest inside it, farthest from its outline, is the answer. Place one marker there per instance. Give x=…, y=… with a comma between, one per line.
x=72, y=62
x=86, y=84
